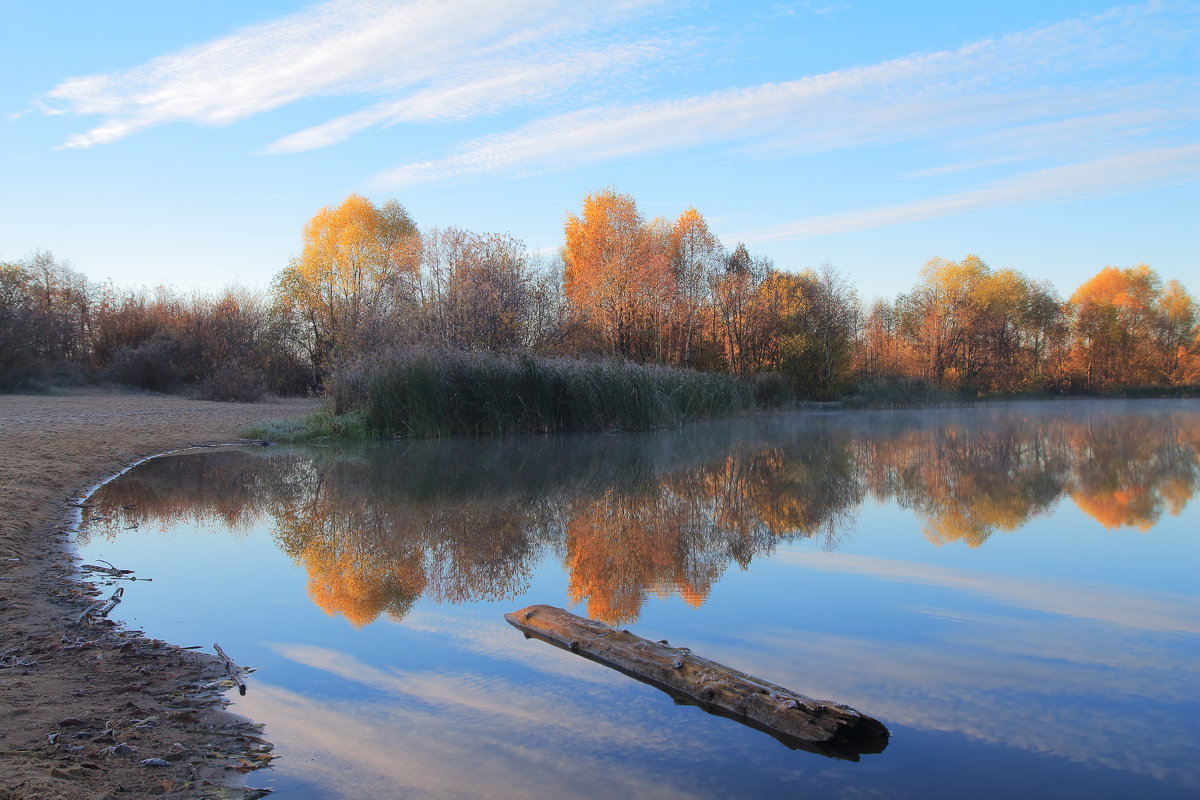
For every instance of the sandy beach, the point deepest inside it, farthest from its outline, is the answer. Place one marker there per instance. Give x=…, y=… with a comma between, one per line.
x=83, y=705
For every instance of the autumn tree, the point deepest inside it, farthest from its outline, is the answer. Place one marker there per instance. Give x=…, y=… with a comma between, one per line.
x=45, y=314
x=1044, y=336
x=967, y=326
x=817, y=354
x=1177, y=336
x=617, y=272
x=881, y=353
x=737, y=317
x=482, y=292
x=17, y=323
x=1115, y=316
x=777, y=313
x=357, y=268
x=697, y=260
x=936, y=317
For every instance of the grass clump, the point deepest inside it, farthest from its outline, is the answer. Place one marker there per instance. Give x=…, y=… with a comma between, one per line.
x=320, y=425
x=426, y=394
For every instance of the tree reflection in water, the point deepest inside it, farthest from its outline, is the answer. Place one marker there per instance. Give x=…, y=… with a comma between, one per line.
x=377, y=528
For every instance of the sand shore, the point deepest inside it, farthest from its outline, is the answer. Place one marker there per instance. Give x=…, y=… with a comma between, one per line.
x=98, y=687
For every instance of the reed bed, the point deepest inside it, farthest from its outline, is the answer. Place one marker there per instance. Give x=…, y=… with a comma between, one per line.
x=424, y=394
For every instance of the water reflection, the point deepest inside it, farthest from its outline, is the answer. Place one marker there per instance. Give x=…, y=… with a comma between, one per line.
x=658, y=514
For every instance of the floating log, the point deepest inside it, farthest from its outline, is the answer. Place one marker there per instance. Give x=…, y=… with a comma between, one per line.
x=235, y=672
x=800, y=722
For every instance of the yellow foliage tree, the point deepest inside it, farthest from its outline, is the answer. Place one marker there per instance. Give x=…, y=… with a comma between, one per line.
x=358, y=265
x=1178, y=335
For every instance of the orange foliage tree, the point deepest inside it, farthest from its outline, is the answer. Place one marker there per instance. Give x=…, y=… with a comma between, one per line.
x=1127, y=332
x=617, y=273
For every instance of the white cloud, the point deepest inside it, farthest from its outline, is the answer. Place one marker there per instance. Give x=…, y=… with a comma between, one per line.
x=1037, y=76
x=522, y=82
x=1141, y=169
x=335, y=48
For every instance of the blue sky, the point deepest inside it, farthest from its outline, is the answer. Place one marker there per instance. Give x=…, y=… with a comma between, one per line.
x=187, y=143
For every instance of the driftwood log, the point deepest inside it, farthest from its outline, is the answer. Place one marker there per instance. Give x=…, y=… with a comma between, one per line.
x=235, y=672
x=108, y=570
x=113, y=572
x=802, y=723
x=102, y=608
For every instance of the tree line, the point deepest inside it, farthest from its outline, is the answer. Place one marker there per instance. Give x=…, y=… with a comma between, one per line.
x=58, y=328
x=368, y=280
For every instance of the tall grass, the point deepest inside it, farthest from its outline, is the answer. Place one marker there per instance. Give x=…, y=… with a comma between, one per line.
x=446, y=393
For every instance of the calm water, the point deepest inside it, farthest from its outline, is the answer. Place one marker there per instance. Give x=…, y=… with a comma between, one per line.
x=1012, y=590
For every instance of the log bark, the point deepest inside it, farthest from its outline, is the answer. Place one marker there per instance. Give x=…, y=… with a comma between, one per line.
x=800, y=722
x=235, y=672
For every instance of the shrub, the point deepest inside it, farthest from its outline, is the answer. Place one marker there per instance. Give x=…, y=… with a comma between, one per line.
x=901, y=392
x=151, y=365
x=233, y=380
x=771, y=390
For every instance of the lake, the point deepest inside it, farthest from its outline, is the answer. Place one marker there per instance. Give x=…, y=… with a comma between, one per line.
x=1012, y=589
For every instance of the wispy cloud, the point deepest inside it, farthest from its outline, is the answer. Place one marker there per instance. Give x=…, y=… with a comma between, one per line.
x=520, y=82
x=1075, y=136
x=806, y=7
x=1142, y=169
x=347, y=47
x=1041, y=75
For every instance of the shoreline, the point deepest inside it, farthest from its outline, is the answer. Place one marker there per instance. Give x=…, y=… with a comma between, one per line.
x=100, y=686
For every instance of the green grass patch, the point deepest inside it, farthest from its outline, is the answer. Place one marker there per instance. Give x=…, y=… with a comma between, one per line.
x=314, y=427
